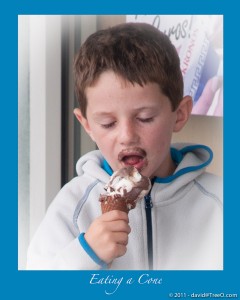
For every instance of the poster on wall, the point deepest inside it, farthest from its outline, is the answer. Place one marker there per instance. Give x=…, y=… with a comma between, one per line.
x=199, y=42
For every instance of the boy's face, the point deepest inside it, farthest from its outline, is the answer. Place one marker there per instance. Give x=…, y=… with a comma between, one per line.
x=132, y=125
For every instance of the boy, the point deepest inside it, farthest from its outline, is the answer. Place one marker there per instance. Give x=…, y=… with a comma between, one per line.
x=130, y=91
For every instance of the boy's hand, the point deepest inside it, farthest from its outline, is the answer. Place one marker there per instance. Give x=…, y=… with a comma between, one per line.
x=108, y=235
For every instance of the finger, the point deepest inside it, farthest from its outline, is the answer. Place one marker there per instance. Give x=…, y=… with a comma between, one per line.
x=119, y=226
x=115, y=215
x=121, y=250
x=112, y=238
x=118, y=250
x=121, y=238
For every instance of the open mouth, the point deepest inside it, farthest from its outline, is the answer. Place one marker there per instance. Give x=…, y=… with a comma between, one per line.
x=133, y=157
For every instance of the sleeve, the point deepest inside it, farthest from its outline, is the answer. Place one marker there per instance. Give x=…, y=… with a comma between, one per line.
x=56, y=245
x=72, y=257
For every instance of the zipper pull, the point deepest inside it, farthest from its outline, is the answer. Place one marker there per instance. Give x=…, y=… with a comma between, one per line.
x=148, y=201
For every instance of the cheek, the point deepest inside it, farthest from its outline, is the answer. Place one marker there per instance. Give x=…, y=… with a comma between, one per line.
x=157, y=144
x=95, y=133
x=103, y=141
x=158, y=136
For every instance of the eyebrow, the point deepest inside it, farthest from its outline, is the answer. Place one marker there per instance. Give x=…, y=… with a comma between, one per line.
x=106, y=114
x=101, y=114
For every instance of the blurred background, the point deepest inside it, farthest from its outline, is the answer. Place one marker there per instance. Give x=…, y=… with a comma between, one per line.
x=50, y=140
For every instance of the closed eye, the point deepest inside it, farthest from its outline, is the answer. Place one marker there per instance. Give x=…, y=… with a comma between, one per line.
x=145, y=120
x=109, y=125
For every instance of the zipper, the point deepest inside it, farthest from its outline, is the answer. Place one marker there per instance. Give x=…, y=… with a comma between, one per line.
x=148, y=209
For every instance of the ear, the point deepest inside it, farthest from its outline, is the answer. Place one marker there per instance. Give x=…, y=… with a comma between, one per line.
x=83, y=121
x=182, y=113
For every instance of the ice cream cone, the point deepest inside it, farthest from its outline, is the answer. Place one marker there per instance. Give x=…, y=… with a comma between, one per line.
x=109, y=203
x=125, y=188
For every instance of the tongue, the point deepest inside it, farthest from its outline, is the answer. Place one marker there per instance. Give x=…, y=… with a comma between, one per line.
x=132, y=160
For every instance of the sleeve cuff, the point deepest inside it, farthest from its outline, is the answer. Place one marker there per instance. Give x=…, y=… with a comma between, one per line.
x=91, y=253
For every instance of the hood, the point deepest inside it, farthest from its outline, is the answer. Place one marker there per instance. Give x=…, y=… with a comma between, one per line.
x=89, y=164
x=189, y=158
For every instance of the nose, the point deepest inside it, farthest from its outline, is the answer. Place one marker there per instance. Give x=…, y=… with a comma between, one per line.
x=128, y=134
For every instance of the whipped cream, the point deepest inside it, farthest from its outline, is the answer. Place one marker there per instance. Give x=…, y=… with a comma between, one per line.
x=128, y=183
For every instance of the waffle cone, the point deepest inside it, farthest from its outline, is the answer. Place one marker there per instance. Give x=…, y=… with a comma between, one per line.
x=109, y=203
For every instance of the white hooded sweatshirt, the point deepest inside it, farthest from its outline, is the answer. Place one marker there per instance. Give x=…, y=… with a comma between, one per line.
x=182, y=228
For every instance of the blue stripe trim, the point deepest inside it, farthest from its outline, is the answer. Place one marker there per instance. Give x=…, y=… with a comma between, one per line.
x=177, y=156
x=183, y=171
x=81, y=202
x=90, y=252
x=106, y=167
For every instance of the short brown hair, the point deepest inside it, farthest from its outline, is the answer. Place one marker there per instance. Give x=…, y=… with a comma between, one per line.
x=138, y=52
